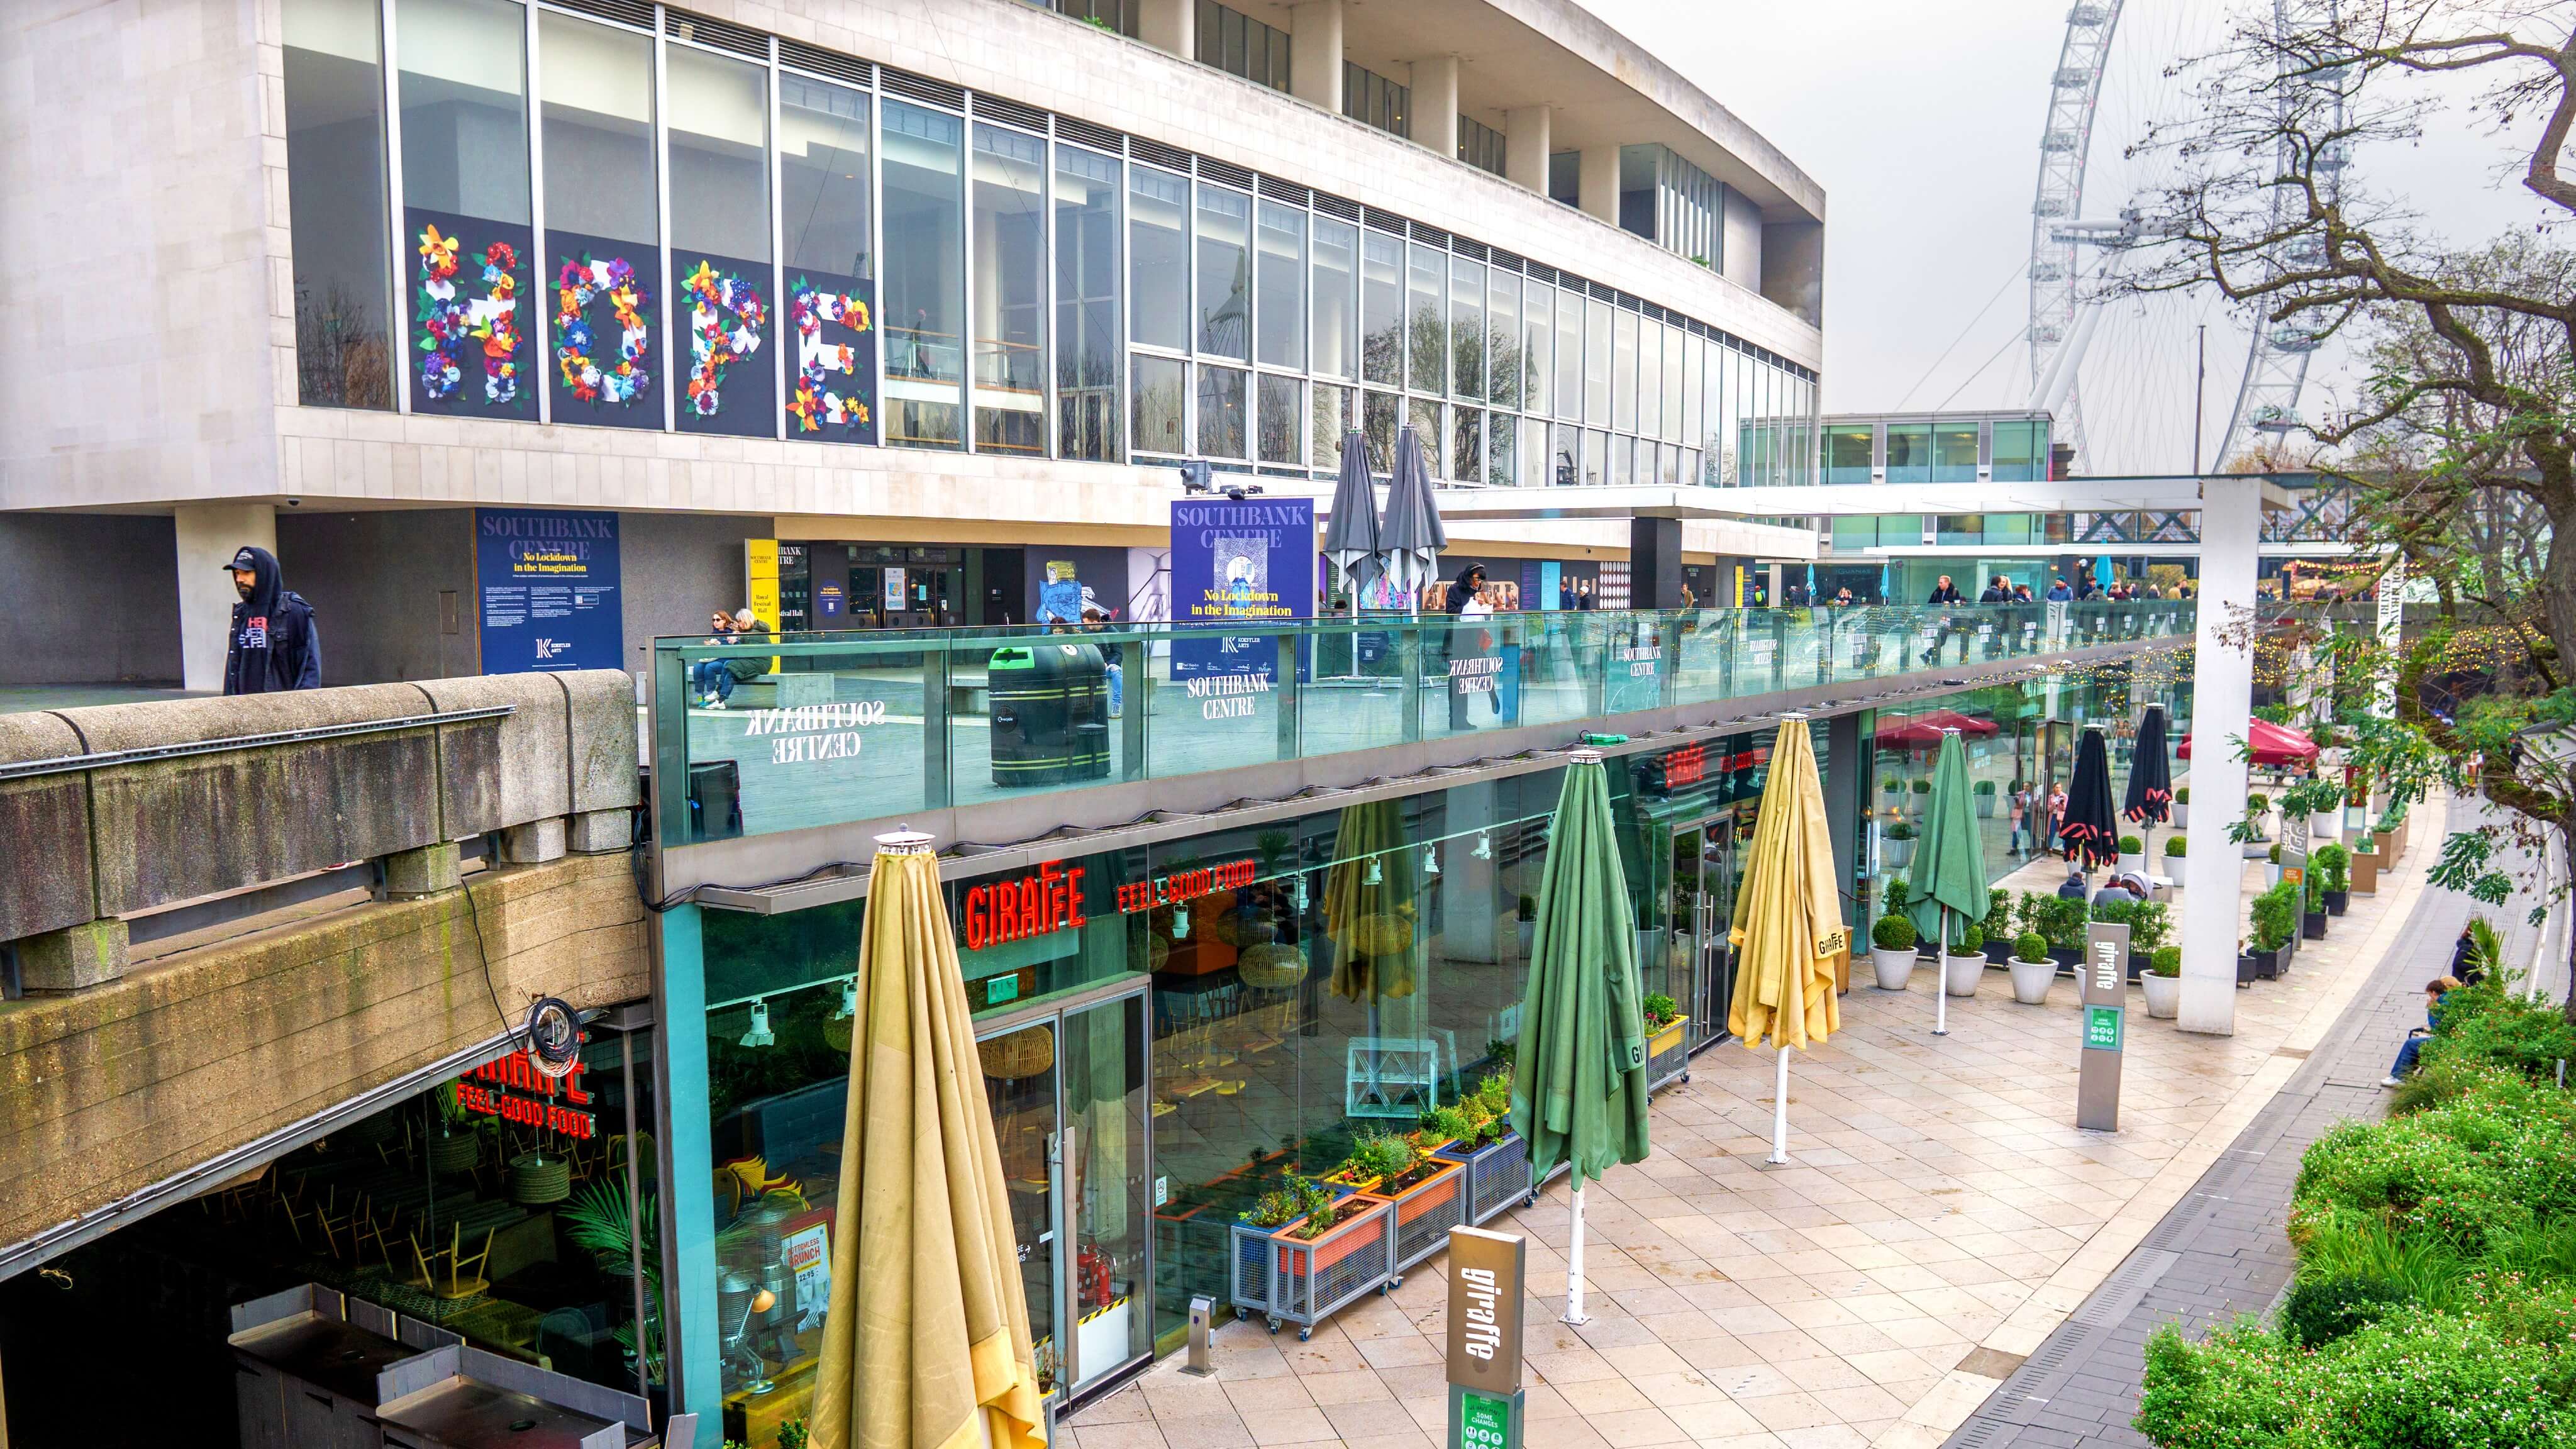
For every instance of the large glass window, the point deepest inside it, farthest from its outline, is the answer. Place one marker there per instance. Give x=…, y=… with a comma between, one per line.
x=1225, y=272
x=1222, y=411
x=479, y=349
x=1538, y=349
x=1596, y=363
x=1467, y=445
x=1503, y=337
x=1564, y=450
x=1569, y=354
x=1086, y=304
x=1010, y=292
x=1378, y=414
x=1694, y=356
x=1158, y=257
x=1954, y=453
x=1466, y=328
x=1650, y=380
x=1382, y=308
x=1909, y=453
x=1159, y=405
x=602, y=237
x=1596, y=457
x=722, y=290
x=2020, y=452
x=1279, y=310
x=826, y=184
x=1535, y=459
x=1422, y=414
x=1237, y=44
x=1282, y=418
x=1501, y=429
x=925, y=281
x=1677, y=345
x=1332, y=416
x=1337, y=298
x=1426, y=287
x=335, y=164
x=1623, y=370
x=1373, y=99
x=1847, y=452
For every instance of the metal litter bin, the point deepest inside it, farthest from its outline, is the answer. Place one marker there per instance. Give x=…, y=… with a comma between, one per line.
x=1050, y=710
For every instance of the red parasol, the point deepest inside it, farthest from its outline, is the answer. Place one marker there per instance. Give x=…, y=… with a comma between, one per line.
x=2273, y=745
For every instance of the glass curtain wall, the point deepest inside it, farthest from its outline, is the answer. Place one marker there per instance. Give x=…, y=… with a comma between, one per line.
x=722, y=290
x=469, y=261
x=603, y=234
x=1009, y=231
x=1337, y=299
x=827, y=210
x=925, y=276
x=335, y=164
x=1087, y=345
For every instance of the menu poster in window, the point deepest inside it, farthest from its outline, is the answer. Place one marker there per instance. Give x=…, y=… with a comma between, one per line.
x=603, y=343
x=473, y=348
x=1251, y=559
x=722, y=308
x=807, y=1252
x=548, y=583
x=831, y=320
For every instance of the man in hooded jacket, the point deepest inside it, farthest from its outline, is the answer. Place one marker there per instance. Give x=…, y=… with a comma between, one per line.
x=273, y=645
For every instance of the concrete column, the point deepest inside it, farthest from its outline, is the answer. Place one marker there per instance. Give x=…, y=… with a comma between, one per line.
x=1654, y=563
x=75, y=958
x=209, y=534
x=2231, y=517
x=1525, y=141
x=1435, y=104
x=1173, y=25
x=1599, y=188
x=1315, y=53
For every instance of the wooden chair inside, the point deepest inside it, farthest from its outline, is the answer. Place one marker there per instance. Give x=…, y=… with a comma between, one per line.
x=464, y=1276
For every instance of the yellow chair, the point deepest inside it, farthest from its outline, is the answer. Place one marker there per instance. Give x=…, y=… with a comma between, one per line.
x=464, y=1271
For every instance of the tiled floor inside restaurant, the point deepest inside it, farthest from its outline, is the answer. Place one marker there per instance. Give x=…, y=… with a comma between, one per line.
x=1941, y=1215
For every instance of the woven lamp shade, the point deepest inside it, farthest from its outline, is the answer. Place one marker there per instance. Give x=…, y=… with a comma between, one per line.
x=1269, y=966
x=1021, y=1054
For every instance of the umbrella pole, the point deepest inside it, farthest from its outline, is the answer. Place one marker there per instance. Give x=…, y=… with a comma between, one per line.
x=1574, y=1262
x=1780, y=1108
x=1941, y=985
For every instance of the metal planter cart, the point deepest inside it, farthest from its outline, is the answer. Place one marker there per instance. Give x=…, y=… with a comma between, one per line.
x=1288, y=1279
x=1424, y=1214
x=1498, y=1175
x=1668, y=1054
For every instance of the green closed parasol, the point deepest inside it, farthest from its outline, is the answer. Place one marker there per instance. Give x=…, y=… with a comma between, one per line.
x=1947, y=890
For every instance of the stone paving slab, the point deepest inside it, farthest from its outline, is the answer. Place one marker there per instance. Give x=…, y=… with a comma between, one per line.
x=1942, y=1217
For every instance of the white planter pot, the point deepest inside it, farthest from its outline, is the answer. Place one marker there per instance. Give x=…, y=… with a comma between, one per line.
x=2031, y=980
x=2271, y=875
x=1963, y=975
x=2181, y=816
x=2133, y=862
x=2324, y=826
x=1898, y=853
x=2164, y=995
x=1528, y=933
x=1985, y=807
x=1895, y=968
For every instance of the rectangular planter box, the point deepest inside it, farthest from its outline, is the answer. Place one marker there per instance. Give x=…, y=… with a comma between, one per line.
x=2312, y=925
x=2365, y=873
x=2337, y=902
x=2070, y=962
x=1498, y=1175
x=2250, y=968
x=1425, y=1212
x=1668, y=1054
x=1305, y=1282
x=2384, y=842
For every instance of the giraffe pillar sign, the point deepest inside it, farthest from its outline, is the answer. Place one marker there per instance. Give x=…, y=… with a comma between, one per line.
x=1486, y=1400
x=2106, y=1010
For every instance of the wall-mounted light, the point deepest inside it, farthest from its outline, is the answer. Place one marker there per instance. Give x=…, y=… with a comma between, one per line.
x=1180, y=923
x=759, y=1035
x=1431, y=860
x=1297, y=891
x=1376, y=873
x=849, y=999
x=1484, y=845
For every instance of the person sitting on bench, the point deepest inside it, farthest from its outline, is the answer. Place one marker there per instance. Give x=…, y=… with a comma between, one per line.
x=712, y=680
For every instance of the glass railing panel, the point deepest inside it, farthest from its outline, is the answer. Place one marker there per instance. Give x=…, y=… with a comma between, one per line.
x=1355, y=692
x=1217, y=701
x=1472, y=674
x=804, y=737
x=1030, y=711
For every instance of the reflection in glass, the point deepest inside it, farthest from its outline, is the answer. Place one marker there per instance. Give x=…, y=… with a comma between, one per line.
x=1010, y=292
x=1337, y=298
x=1221, y=411
x=1466, y=328
x=1596, y=456
x=1623, y=457
x=1499, y=450
x=925, y=283
x=826, y=190
x=1280, y=304
x=1157, y=405
x=1503, y=337
x=1427, y=286
x=1596, y=363
x=1650, y=380
x=1282, y=417
x=1019, y=1086
x=722, y=291
x=1107, y=1123
x=1086, y=304
x=1382, y=308
x=1158, y=257
x=1225, y=271
x=1694, y=356
x=1536, y=459
x=1467, y=445
x=1564, y=445
x=1623, y=370
x=1331, y=418
x=602, y=238
x=1569, y=354
x=1423, y=416
x=1678, y=346
x=1538, y=350
x=335, y=163
x=1378, y=414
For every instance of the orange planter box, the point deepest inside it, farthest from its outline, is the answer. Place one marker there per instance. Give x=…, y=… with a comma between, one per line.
x=1357, y=1231
x=1434, y=1191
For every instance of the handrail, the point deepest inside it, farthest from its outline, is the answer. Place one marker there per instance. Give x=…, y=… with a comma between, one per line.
x=66, y=764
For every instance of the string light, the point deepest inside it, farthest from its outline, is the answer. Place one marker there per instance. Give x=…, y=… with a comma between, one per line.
x=760, y=1034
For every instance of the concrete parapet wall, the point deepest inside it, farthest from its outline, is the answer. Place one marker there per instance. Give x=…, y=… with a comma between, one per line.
x=119, y=837
x=108, y=1091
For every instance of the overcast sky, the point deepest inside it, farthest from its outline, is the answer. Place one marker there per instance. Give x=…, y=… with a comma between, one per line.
x=1921, y=119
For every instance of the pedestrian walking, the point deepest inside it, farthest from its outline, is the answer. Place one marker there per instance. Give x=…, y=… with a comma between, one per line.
x=273, y=645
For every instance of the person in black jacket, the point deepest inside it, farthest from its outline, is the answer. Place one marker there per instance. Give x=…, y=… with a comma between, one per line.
x=1945, y=592
x=1996, y=592
x=273, y=645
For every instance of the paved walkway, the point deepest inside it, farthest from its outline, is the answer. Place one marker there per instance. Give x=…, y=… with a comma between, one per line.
x=2225, y=1250
x=1942, y=1219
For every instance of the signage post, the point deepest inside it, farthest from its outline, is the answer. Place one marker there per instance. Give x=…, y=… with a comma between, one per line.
x=2106, y=1009
x=1486, y=1401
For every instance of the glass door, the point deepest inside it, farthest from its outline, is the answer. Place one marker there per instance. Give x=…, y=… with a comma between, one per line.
x=1688, y=928
x=1020, y=1083
x=1715, y=966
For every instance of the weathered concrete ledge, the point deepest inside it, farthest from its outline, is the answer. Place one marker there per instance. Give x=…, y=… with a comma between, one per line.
x=107, y=1091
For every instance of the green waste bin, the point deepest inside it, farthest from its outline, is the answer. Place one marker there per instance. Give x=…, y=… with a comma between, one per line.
x=1050, y=710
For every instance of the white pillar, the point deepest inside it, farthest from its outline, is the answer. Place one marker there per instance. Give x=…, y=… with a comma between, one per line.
x=2231, y=519
x=209, y=534
x=1525, y=147
x=1599, y=189
x=1435, y=104
x=1172, y=25
x=1315, y=53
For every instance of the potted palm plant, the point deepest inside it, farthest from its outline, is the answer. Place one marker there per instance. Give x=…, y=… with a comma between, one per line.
x=2032, y=969
x=1892, y=942
x=2163, y=983
x=2182, y=807
x=2133, y=855
x=1967, y=961
x=2333, y=865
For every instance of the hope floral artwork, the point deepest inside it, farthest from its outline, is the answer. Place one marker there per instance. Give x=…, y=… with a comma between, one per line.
x=725, y=318
x=828, y=376
x=622, y=379
x=454, y=324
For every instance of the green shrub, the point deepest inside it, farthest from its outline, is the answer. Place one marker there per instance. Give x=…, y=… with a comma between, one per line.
x=2257, y=804
x=1984, y=787
x=2149, y=922
x=1660, y=1011
x=1923, y=786
x=2132, y=845
x=2411, y=1173
x=2333, y=865
x=2241, y=1389
x=2030, y=946
x=2272, y=917
x=2177, y=846
x=2274, y=854
x=1972, y=940
x=2436, y=1379
x=1893, y=932
x=2167, y=961
x=2490, y=1023
x=1998, y=921
x=1901, y=830
x=2182, y=795
x=2320, y=1310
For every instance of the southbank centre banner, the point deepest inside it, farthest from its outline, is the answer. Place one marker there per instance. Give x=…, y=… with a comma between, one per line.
x=1251, y=560
x=548, y=585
